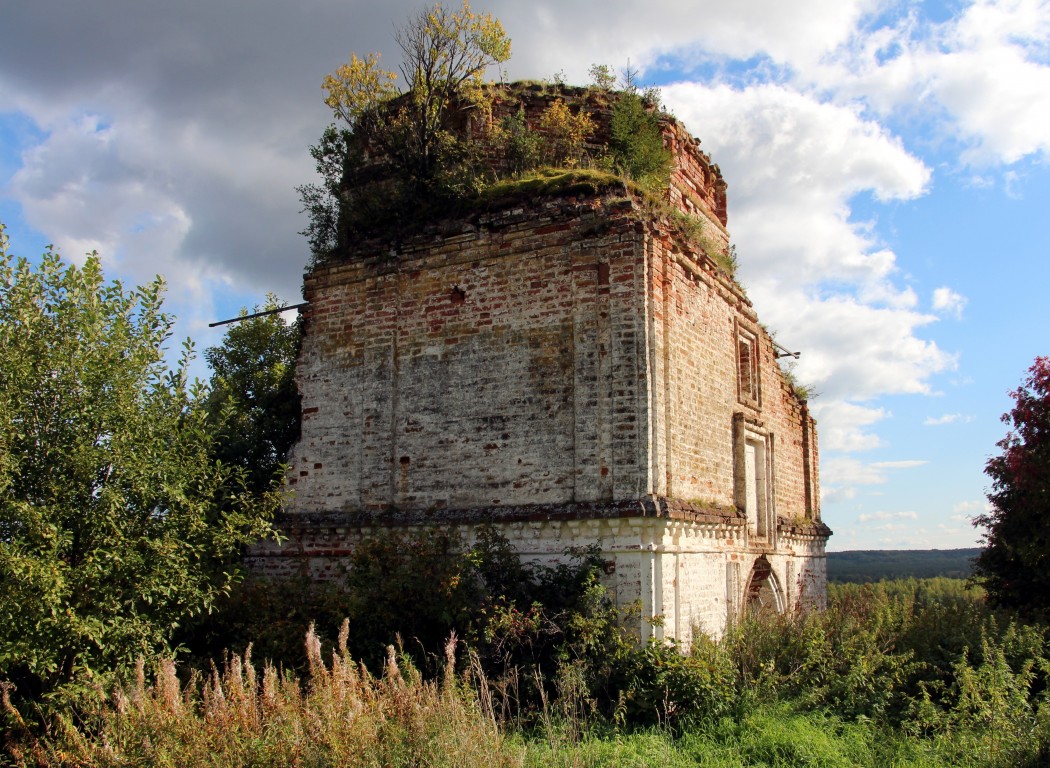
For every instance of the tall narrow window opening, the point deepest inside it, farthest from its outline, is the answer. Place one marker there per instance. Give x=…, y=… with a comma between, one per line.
x=754, y=473
x=748, y=382
x=755, y=496
x=747, y=373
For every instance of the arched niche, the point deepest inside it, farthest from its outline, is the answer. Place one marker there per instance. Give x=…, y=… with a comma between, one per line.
x=763, y=593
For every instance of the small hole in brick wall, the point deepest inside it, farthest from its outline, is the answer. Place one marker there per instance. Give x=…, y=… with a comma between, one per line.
x=458, y=295
x=603, y=274
x=609, y=567
x=405, y=461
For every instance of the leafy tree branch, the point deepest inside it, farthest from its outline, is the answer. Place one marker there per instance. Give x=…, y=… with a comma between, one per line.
x=115, y=522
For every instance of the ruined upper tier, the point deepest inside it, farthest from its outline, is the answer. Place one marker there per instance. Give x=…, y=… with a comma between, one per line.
x=696, y=187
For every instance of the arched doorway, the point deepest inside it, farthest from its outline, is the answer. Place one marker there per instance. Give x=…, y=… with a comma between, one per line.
x=763, y=593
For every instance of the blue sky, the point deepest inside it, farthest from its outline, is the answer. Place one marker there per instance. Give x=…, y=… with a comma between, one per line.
x=886, y=160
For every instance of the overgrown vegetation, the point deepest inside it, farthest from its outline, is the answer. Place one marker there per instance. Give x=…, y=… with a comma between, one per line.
x=131, y=527
x=901, y=673
x=116, y=522
x=416, y=589
x=395, y=159
x=252, y=404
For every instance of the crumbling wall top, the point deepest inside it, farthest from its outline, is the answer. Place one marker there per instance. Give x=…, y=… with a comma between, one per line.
x=696, y=185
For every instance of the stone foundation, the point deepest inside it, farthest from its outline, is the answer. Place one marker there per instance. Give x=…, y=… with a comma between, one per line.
x=681, y=570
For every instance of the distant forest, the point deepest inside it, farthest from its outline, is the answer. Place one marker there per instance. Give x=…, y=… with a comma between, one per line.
x=866, y=565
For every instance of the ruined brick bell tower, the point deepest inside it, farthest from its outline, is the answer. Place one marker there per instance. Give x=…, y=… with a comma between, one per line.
x=571, y=367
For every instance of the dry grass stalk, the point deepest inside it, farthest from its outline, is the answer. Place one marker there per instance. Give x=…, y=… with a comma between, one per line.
x=342, y=716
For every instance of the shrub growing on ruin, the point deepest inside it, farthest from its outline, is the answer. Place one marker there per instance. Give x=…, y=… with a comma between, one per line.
x=636, y=144
x=445, y=54
x=566, y=134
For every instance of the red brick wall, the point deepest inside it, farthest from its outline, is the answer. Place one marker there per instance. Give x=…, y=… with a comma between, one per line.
x=495, y=366
x=563, y=351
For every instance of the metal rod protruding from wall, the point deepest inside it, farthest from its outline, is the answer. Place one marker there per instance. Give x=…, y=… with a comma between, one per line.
x=259, y=314
x=784, y=351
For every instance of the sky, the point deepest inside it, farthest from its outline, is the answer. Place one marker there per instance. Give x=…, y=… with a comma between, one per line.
x=887, y=164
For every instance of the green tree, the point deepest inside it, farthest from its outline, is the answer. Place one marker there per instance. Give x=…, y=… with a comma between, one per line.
x=1014, y=565
x=323, y=202
x=603, y=76
x=115, y=522
x=636, y=143
x=445, y=55
x=252, y=402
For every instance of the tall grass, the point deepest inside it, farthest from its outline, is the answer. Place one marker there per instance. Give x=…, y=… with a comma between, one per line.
x=343, y=716
x=917, y=673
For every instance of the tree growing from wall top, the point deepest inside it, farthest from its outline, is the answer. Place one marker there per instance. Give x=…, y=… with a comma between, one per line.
x=445, y=55
x=396, y=157
x=1014, y=566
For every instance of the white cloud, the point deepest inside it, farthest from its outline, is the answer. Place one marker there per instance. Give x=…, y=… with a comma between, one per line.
x=947, y=418
x=905, y=532
x=905, y=464
x=887, y=516
x=1012, y=185
x=842, y=425
x=970, y=508
x=843, y=471
x=948, y=302
x=837, y=494
x=841, y=475
x=985, y=70
x=794, y=35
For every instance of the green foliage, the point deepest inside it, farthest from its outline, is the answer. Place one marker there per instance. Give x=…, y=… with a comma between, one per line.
x=602, y=76
x=987, y=714
x=445, y=55
x=802, y=391
x=252, y=402
x=415, y=589
x=637, y=144
x=324, y=202
x=547, y=181
x=693, y=229
x=1013, y=565
x=268, y=615
x=114, y=520
x=775, y=735
x=418, y=587
x=520, y=147
x=659, y=684
x=780, y=691
x=444, y=58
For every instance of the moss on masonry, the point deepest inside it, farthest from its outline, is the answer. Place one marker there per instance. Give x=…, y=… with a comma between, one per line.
x=546, y=182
